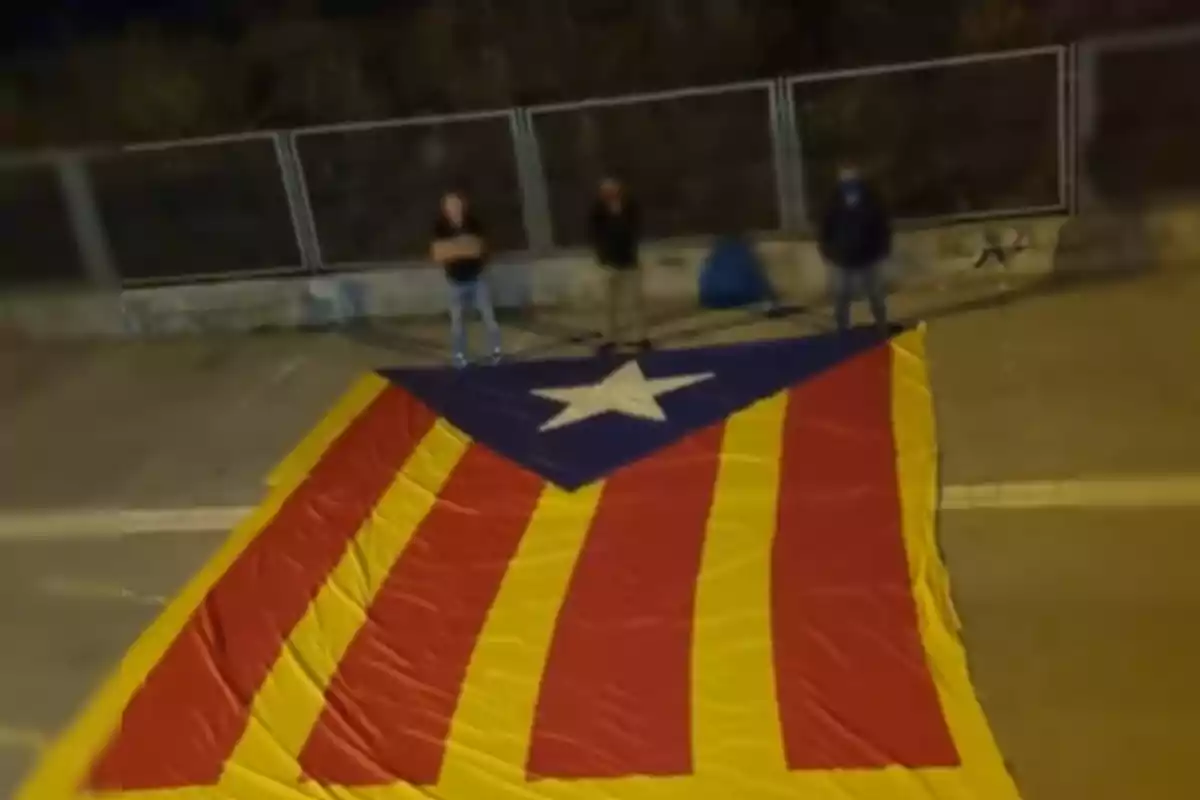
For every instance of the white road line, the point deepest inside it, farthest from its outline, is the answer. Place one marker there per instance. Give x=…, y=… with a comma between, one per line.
x=1129, y=492
x=1141, y=492
x=73, y=589
x=113, y=523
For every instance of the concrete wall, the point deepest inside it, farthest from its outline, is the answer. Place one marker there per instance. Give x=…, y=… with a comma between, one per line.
x=1174, y=234
x=671, y=275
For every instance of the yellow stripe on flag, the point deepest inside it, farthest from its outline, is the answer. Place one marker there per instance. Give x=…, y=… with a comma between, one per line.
x=982, y=774
x=291, y=700
x=735, y=717
x=65, y=765
x=489, y=739
x=737, y=743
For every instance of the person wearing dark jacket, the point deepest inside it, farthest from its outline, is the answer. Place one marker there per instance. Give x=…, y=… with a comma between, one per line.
x=616, y=235
x=856, y=240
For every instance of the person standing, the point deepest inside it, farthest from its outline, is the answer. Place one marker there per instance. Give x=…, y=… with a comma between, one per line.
x=856, y=240
x=460, y=249
x=616, y=236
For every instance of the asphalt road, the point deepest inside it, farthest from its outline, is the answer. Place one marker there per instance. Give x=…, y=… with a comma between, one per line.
x=1079, y=618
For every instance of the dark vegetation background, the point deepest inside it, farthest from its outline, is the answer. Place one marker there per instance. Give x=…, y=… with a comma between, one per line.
x=978, y=138
x=76, y=71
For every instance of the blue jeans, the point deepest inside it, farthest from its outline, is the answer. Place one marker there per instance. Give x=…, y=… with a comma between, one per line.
x=851, y=283
x=462, y=296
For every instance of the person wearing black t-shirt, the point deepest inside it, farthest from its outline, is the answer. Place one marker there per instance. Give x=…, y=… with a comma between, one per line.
x=616, y=236
x=459, y=248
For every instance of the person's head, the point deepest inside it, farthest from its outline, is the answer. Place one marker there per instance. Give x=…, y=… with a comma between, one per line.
x=848, y=173
x=850, y=184
x=454, y=207
x=611, y=192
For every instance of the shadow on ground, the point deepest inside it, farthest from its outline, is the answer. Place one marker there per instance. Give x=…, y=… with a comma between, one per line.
x=667, y=328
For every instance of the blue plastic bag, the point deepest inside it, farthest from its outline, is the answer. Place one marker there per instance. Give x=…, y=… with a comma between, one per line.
x=733, y=276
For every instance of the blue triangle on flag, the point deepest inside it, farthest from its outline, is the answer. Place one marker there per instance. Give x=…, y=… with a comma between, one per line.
x=497, y=406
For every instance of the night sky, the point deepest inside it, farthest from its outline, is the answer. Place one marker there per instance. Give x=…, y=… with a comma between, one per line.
x=57, y=22
x=53, y=21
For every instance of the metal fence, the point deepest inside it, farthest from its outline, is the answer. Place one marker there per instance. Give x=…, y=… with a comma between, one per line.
x=204, y=209
x=35, y=230
x=1139, y=116
x=701, y=160
x=949, y=139
x=958, y=138
x=372, y=188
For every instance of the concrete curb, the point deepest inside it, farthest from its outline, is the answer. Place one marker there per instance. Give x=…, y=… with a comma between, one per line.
x=569, y=279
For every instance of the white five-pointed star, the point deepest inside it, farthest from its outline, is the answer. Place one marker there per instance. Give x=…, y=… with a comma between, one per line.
x=626, y=391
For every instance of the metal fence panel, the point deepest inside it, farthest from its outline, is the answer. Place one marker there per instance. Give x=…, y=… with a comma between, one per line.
x=1143, y=145
x=956, y=138
x=698, y=161
x=964, y=137
x=535, y=203
x=36, y=243
x=374, y=190
x=175, y=212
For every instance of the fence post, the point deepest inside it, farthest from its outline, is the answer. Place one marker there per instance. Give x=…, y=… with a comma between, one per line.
x=1062, y=93
x=779, y=156
x=1088, y=110
x=793, y=158
x=304, y=225
x=535, y=198
x=1071, y=112
x=87, y=226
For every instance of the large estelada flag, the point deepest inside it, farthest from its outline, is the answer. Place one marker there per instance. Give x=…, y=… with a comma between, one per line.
x=696, y=574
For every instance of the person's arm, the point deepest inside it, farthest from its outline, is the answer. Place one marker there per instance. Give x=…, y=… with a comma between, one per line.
x=446, y=248
x=441, y=250
x=471, y=241
x=634, y=212
x=460, y=245
x=829, y=224
x=437, y=243
x=464, y=246
x=882, y=227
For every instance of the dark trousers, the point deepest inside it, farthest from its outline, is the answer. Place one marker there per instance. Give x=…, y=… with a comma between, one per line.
x=849, y=284
x=623, y=287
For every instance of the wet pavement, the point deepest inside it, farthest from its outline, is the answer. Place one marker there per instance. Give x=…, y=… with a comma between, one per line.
x=1079, y=623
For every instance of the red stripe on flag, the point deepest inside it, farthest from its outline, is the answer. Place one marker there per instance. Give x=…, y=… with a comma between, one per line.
x=389, y=707
x=187, y=717
x=853, y=685
x=616, y=692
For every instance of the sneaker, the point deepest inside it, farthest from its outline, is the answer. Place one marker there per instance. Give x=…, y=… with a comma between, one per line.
x=496, y=358
x=459, y=361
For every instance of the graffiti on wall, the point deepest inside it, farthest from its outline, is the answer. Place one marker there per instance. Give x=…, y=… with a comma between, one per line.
x=242, y=307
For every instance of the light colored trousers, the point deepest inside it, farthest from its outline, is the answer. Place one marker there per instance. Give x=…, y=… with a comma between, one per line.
x=466, y=295
x=624, y=292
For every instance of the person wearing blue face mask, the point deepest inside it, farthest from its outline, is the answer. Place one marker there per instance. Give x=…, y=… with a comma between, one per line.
x=856, y=240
